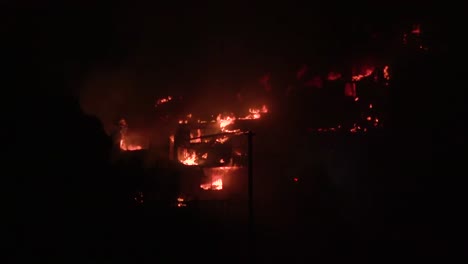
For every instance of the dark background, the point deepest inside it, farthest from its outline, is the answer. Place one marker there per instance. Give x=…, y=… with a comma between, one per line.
x=70, y=69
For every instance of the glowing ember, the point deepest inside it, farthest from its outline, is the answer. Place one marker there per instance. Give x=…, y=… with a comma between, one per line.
x=163, y=100
x=416, y=29
x=181, y=202
x=350, y=89
x=139, y=197
x=386, y=74
x=355, y=128
x=367, y=73
x=332, y=76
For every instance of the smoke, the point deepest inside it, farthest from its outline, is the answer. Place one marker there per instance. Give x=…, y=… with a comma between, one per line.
x=107, y=94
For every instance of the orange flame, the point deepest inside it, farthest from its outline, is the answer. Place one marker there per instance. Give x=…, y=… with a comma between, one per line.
x=386, y=74
x=129, y=147
x=224, y=122
x=163, y=100
x=367, y=73
x=256, y=113
x=216, y=184
x=189, y=158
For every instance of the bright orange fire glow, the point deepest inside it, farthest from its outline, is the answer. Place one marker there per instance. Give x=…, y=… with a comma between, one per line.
x=256, y=113
x=222, y=139
x=129, y=147
x=386, y=74
x=189, y=158
x=163, y=100
x=366, y=73
x=216, y=184
x=181, y=202
x=225, y=121
x=216, y=178
x=196, y=138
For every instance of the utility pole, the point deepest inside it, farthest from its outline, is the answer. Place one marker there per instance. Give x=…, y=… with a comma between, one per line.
x=251, y=230
x=251, y=223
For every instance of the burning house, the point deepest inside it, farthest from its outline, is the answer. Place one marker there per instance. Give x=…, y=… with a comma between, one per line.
x=209, y=152
x=215, y=151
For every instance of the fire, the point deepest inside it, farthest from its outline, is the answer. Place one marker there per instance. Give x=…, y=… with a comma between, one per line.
x=224, y=122
x=216, y=184
x=222, y=139
x=189, y=158
x=196, y=138
x=256, y=113
x=355, y=128
x=181, y=202
x=216, y=177
x=367, y=73
x=386, y=74
x=129, y=147
x=124, y=143
x=163, y=100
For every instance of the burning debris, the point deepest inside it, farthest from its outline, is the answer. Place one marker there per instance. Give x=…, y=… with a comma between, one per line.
x=366, y=73
x=128, y=147
x=413, y=38
x=256, y=113
x=370, y=83
x=207, y=142
x=210, y=144
x=123, y=137
x=163, y=100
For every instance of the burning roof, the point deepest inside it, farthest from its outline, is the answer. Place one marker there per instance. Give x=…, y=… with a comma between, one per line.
x=360, y=91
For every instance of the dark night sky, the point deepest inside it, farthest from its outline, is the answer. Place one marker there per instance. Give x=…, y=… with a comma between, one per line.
x=118, y=54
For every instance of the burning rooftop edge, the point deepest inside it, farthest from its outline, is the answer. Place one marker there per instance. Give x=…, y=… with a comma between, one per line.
x=370, y=112
x=212, y=143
